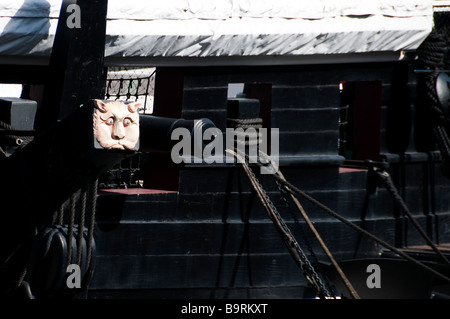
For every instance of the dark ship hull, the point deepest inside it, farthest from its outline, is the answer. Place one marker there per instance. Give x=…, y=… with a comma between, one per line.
x=200, y=231
x=212, y=238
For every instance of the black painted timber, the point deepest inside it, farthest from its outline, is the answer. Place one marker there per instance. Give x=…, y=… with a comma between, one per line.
x=211, y=238
x=76, y=71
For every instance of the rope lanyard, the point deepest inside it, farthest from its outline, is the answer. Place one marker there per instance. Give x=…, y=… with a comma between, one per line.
x=319, y=239
x=294, y=190
x=294, y=248
x=73, y=243
x=387, y=181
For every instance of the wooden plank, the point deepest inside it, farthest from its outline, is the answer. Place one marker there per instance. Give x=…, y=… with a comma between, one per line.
x=445, y=248
x=189, y=237
x=132, y=191
x=308, y=143
x=280, y=292
x=289, y=75
x=196, y=238
x=301, y=96
x=223, y=180
x=175, y=272
x=234, y=206
x=205, y=98
x=76, y=72
x=305, y=120
x=227, y=268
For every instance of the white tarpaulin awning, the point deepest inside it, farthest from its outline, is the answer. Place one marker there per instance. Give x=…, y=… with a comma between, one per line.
x=226, y=29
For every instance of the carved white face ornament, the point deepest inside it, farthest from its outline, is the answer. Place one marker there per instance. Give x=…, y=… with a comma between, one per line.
x=116, y=124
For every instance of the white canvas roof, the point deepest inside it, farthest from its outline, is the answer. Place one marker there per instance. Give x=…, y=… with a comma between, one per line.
x=171, y=32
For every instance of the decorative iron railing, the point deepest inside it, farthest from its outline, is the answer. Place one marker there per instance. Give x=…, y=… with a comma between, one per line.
x=136, y=84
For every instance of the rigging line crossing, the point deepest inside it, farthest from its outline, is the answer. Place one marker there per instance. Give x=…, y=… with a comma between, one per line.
x=294, y=248
x=304, y=236
x=305, y=216
x=292, y=189
x=386, y=179
x=328, y=210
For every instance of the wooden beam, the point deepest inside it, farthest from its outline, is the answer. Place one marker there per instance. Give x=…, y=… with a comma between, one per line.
x=76, y=72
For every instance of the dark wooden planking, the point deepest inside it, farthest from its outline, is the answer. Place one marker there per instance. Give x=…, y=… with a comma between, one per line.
x=115, y=207
x=195, y=271
x=292, y=96
x=169, y=238
x=274, y=292
x=308, y=143
x=301, y=96
x=305, y=75
x=231, y=194
x=234, y=206
x=201, y=207
x=240, y=268
x=442, y=228
x=305, y=120
x=213, y=180
x=408, y=172
x=205, y=98
x=184, y=238
x=212, y=208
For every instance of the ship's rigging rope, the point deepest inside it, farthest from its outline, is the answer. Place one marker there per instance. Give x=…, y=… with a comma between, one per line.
x=433, y=57
x=293, y=246
x=58, y=245
x=300, y=258
x=295, y=191
x=311, y=226
x=292, y=243
x=385, y=178
x=85, y=207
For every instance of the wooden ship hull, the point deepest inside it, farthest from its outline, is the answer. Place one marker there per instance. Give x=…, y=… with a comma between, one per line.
x=213, y=238
x=196, y=230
